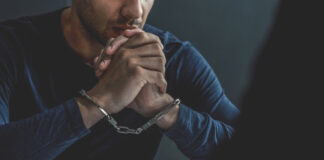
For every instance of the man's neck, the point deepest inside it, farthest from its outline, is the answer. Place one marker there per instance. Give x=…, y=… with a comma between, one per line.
x=77, y=36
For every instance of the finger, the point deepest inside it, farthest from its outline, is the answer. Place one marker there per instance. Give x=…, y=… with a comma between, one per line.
x=143, y=38
x=151, y=63
x=131, y=32
x=115, y=44
x=150, y=50
x=120, y=40
x=104, y=64
x=98, y=73
x=100, y=65
x=101, y=57
x=95, y=59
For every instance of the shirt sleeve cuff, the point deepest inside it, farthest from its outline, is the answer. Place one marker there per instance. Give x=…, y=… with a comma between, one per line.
x=181, y=124
x=73, y=113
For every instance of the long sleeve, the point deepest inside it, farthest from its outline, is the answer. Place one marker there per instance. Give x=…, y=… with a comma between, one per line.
x=44, y=135
x=41, y=136
x=206, y=116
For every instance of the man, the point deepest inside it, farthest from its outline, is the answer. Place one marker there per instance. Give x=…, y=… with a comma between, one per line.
x=46, y=60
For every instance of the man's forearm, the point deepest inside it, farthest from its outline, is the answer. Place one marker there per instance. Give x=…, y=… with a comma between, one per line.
x=198, y=134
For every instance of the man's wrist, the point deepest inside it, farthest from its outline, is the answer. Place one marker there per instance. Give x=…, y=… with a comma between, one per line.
x=89, y=112
x=169, y=119
x=103, y=102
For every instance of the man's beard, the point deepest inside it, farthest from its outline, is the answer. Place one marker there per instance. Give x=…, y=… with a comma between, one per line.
x=102, y=36
x=85, y=15
x=93, y=32
x=92, y=26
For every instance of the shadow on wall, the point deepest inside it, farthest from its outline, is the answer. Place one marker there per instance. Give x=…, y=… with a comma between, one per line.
x=228, y=33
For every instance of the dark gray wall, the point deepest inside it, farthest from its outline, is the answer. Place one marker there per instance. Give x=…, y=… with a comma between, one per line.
x=17, y=8
x=227, y=32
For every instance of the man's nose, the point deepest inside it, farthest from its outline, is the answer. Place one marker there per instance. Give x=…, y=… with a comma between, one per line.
x=132, y=9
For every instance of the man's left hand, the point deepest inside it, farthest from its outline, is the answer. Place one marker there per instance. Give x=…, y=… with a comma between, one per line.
x=150, y=100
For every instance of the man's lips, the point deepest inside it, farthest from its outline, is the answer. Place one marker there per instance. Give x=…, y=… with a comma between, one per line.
x=118, y=30
x=124, y=27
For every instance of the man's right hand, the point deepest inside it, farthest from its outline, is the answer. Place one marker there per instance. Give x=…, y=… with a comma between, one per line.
x=137, y=62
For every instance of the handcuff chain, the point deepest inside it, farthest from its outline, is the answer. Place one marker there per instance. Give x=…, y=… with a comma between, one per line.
x=124, y=129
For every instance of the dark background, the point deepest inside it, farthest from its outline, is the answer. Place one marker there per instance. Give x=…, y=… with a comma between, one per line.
x=228, y=33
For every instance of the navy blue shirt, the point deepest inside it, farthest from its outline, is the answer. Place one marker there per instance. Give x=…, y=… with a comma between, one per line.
x=40, y=76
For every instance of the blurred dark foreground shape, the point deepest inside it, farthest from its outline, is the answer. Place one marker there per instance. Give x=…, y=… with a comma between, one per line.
x=282, y=115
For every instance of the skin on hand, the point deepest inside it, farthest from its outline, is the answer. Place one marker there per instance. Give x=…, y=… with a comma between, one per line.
x=110, y=51
x=114, y=44
x=150, y=100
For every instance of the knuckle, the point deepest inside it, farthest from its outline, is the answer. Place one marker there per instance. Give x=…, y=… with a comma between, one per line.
x=164, y=60
x=142, y=35
x=161, y=53
x=165, y=82
x=123, y=54
x=161, y=61
x=137, y=70
x=156, y=46
x=157, y=39
x=160, y=76
x=131, y=62
x=154, y=37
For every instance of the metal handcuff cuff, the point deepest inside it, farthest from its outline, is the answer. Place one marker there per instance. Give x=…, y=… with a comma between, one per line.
x=124, y=129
